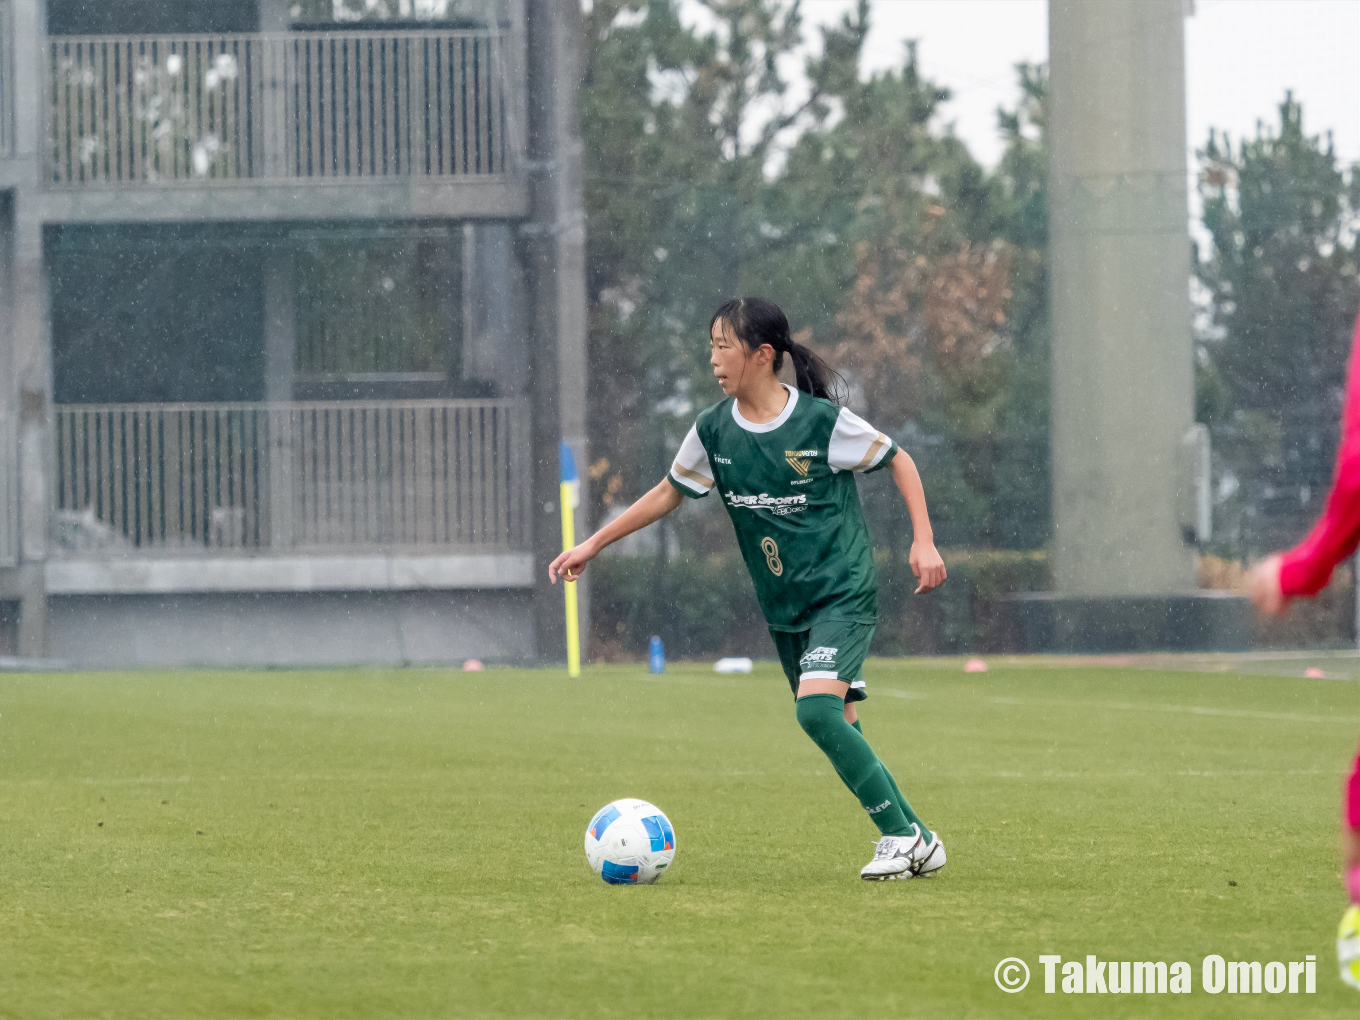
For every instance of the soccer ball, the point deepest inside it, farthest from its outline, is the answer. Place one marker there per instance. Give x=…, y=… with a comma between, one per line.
x=630, y=842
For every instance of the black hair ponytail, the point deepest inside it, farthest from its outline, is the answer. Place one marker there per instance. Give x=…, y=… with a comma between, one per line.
x=755, y=322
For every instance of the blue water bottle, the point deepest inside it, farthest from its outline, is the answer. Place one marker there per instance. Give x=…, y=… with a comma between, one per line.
x=656, y=655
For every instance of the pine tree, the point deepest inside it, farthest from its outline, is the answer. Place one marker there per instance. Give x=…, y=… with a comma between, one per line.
x=1282, y=293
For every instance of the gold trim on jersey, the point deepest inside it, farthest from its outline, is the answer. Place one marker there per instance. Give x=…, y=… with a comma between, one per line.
x=693, y=476
x=874, y=447
x=799, y=464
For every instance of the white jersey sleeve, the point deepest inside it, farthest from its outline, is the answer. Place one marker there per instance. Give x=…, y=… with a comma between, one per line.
x=856, y=445
x=691, y=473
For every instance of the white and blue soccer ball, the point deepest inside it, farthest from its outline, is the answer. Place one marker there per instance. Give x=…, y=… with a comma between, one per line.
x=630, y=842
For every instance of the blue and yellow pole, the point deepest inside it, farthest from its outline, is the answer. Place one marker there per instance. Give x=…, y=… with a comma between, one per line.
x=571, y=499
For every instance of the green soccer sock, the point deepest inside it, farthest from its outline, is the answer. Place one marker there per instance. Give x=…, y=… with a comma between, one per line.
x=902, y=801
x=822, y=717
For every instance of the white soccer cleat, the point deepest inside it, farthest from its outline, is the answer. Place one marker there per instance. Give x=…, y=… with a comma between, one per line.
x=898, y=857
x=929, y=858
x=893, y=858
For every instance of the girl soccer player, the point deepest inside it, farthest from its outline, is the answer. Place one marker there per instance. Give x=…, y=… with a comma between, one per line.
x=1303, y=572
x=782, y=461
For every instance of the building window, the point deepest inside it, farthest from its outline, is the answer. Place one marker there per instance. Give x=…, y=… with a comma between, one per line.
x=464, y=13
x=379, y=309
x=151, y=17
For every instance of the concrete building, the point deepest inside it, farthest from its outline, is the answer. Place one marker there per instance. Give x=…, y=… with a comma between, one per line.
x=292, y=319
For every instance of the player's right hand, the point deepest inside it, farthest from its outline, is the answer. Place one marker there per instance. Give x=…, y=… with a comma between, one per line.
x=568, y=565
x=1263, y=585
x=927, y=565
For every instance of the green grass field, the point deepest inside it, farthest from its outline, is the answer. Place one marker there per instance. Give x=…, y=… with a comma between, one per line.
x=407, y=843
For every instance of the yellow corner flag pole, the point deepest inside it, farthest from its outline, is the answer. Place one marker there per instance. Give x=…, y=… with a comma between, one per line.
x=571, y=499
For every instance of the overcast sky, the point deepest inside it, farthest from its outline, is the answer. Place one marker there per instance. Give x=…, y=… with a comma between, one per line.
x=1241, y=56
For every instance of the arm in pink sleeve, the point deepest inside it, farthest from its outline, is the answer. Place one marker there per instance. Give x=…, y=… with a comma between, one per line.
x=1306, y=569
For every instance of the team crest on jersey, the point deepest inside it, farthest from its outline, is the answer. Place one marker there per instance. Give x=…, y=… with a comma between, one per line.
x=800, y=460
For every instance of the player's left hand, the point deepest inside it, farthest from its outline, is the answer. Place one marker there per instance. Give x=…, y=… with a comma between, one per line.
x=1263, y=585
x=568, y=565
x=927, y=565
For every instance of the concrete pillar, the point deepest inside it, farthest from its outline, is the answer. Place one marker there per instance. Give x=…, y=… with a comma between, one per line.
x=32, y=364
x=29, y=21
x=9, y=394
x=27, y=381
x=275, y=15
x=495, y=338
x=1122, y=370
x=22, y=531
x=555, y=239
x=9, y=433
x=468, y=299
x=275, y=19
x=280, y=322
x=280, y=343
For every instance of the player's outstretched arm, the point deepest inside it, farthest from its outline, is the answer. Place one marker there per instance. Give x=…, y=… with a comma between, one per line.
x=1306, y=569
x=655, y=505
x=924, y=559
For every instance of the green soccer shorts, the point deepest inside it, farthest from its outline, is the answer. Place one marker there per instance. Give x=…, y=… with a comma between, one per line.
x=830, y=650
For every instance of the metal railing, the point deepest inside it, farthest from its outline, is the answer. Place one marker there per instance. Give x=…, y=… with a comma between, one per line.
x=301, y=106
x=228, y=478
x=6, y=79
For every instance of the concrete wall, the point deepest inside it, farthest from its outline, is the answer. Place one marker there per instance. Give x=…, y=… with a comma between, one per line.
x=329, y=628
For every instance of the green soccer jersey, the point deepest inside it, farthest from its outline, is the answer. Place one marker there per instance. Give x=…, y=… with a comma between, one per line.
x=789, y=487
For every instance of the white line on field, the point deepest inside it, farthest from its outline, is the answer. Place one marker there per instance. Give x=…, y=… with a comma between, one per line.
x=101, y=782
x=1267, y=772
x=1129, y=706
x=1145, y=773
x=1125, y=706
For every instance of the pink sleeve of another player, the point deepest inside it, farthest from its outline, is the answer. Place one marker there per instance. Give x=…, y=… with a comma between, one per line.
x=1307, y=568
x=1353, y=797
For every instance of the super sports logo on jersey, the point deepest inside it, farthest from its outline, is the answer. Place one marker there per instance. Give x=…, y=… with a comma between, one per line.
x=822, y=655
x=778, y=505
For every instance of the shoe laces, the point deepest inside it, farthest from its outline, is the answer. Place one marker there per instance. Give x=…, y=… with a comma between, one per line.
x=886, y=848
